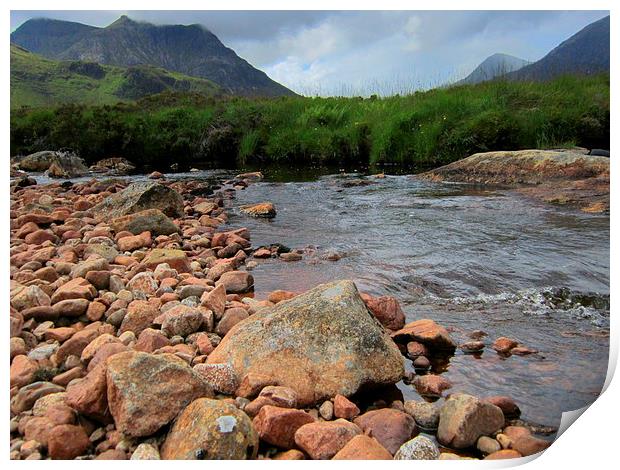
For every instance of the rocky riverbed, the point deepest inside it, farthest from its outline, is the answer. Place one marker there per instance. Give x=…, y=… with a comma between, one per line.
x=136, y=334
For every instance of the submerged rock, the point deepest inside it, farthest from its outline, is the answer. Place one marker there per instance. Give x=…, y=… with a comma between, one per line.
x=141, y=196
x=263, y=209
x=321, y=343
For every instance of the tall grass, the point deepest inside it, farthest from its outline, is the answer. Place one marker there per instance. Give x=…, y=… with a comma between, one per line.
x=424, y=128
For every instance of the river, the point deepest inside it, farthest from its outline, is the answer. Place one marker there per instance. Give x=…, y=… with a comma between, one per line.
x=471, y=258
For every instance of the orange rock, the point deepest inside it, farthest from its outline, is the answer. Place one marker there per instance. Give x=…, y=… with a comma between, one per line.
x=147, y=391
x=176, y=259
x=89, y=396
x=387, y=310
x=344, y=408
x=22, y=371
x=323, y=440
x=78, y=288
x=426, y=332
x=431, y=385
x=277, y=426
x=503, y=345
x=280, y=295
x=363, y=447
x=503, y=454
x=523, y=441
x=67, y=442
x=390, y=427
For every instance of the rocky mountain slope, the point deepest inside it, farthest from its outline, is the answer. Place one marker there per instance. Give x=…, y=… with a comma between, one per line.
x=586, y=52
x=191, y=50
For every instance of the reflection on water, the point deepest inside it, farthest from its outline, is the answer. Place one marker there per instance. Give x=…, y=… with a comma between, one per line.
x=471, y=258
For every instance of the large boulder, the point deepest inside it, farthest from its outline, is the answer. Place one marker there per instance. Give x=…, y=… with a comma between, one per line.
x=321, y=343
x=59, y=164
x=141, y=196
x=150, y=220
x=521, y=166
x=211, y=430
x=147, y=391
x=464, y=418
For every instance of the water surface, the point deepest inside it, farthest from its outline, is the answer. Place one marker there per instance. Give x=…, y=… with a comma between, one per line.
x=471, y=258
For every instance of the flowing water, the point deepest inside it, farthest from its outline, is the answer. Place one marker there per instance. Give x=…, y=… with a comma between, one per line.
x=471, y=258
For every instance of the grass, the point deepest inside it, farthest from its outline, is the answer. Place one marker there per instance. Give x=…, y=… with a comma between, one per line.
x=37, y=81
x=423, y=129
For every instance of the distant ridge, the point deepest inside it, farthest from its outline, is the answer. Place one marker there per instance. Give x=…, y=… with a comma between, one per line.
x=191, y=50
x=586, y=53
x=492, y=67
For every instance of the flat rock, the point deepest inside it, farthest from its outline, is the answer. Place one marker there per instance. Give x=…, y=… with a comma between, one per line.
x=321, y=343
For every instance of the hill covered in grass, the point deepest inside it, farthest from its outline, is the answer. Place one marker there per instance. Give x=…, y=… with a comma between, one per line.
x=37, y=81
x=425, y=129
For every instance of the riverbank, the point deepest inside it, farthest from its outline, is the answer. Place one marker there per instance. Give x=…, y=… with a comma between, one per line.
x=423, y=130
x=135, y=334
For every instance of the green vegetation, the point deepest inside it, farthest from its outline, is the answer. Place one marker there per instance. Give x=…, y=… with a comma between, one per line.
x=423, y=129
x=37, y=81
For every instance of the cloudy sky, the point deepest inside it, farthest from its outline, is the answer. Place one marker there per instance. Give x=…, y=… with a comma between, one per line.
x=363, y=52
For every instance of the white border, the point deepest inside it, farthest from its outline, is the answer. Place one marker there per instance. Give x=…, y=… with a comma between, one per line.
x=590, y=443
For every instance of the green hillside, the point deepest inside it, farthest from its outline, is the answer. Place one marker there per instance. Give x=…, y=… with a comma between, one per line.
x=37, y=81
x=425, y=129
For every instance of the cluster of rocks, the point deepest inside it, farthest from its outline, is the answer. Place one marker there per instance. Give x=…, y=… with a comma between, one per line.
x=133, y=337
x=65, y=163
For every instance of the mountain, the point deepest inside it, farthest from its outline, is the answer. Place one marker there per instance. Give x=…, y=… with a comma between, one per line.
x=191, y=50
x=586, y=53
x=37, y=81
x=492, y=67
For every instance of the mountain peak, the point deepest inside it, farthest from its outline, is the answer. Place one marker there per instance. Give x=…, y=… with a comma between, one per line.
x=494, y=66
x=123, y=20
x=191, y=50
